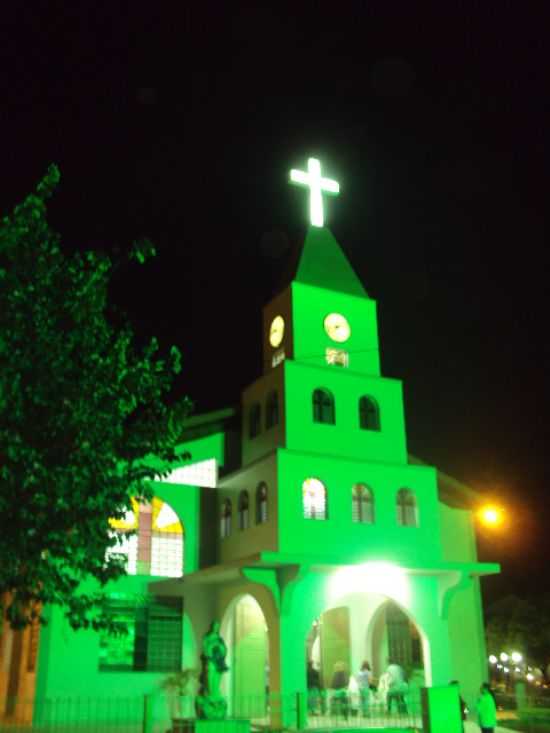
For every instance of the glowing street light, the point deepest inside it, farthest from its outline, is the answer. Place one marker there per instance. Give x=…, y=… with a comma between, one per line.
x=516, y=657
x=493, y=659
x=491, y=516
x=504, y=657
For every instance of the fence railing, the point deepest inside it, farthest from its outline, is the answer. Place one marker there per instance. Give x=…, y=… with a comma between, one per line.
x=160, y=713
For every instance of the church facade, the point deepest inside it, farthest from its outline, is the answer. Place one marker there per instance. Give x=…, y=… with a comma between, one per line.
x=301, y=524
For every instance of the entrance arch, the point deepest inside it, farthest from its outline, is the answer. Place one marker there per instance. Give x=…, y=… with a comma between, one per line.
x=364, y=626
x=246, y=684
x=393, y=635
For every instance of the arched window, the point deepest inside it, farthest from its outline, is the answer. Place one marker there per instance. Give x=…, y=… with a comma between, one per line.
x=323, y=407
x=271, y=410
x=362, y=504
x=243, y=510
x=225, y=518
x=369, y=414
x=254, y=420
x=156, y=547
x=407, y=508
x=261, y=503
x=314, y=498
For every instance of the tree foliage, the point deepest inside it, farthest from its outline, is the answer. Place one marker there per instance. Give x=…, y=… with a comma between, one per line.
x=520, y=624
x=82, y=410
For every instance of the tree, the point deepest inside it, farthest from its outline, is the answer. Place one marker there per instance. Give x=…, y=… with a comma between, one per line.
x=81, y=413
x=521, y=624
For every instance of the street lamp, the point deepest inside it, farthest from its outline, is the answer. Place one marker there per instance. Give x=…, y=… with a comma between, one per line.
x=491, y=516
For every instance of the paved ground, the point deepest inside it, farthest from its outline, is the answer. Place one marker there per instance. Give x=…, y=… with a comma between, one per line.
x=470, y=727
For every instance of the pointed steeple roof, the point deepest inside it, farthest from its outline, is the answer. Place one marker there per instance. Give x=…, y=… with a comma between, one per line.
x=323, y=264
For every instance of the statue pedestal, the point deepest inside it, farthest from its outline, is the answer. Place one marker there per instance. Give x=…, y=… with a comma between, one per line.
x=229, y=725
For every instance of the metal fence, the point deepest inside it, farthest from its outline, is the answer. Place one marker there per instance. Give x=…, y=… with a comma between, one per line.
x=160, y=713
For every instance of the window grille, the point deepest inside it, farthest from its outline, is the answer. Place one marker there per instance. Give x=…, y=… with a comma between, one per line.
x=255, y=420
x=369, y=414
x=225, y=518
x=323, y=407
x=261, y=503
x=407, y=508
x=154, y=639
x=362, y=503
x=243, y=510
x=272, y=410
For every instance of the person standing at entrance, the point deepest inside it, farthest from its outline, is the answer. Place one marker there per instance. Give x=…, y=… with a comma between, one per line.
x=397, y=687
x=339, y=685
x=313, y=689
x=486, y=710
x=364, y=679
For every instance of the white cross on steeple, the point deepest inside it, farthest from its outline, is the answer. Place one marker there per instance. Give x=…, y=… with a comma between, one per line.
x=316, y=184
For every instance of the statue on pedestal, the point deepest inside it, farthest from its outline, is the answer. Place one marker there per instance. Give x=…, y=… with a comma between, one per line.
x=210, y=703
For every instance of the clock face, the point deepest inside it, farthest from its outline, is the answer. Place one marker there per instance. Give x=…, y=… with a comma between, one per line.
x=337, y=327
x=276, y=331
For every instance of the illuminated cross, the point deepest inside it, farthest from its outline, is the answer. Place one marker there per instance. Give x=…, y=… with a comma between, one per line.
x=317, y=185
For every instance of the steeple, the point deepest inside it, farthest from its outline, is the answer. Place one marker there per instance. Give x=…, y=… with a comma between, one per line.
x=323, y=264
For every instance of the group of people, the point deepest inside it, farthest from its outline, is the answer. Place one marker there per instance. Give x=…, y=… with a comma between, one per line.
x=391, y=689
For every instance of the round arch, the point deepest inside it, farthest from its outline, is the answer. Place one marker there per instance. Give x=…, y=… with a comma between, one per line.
x=245, y=629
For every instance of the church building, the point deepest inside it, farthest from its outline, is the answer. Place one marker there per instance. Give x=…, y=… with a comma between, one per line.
x=301, y=523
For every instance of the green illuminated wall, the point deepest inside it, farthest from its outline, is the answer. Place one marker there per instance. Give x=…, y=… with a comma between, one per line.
x=68, y=660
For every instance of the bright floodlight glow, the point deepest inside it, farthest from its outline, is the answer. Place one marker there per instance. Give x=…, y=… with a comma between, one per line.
x=530, y=677
x=506, y=670
x=372, y=577
x=516, y=657
x=504, y=657
x=317, y=185
x=493, y=659
x=491, y=516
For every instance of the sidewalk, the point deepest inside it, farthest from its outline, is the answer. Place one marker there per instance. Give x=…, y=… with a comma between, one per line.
x=470, y=727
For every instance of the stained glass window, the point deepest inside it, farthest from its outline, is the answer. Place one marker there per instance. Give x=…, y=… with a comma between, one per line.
x=156, y=547
x=314, y=497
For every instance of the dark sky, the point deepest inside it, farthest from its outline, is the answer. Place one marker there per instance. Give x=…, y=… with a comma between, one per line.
x=183, y=127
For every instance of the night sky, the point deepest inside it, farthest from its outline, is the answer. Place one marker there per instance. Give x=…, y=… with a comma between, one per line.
x=183, y=127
